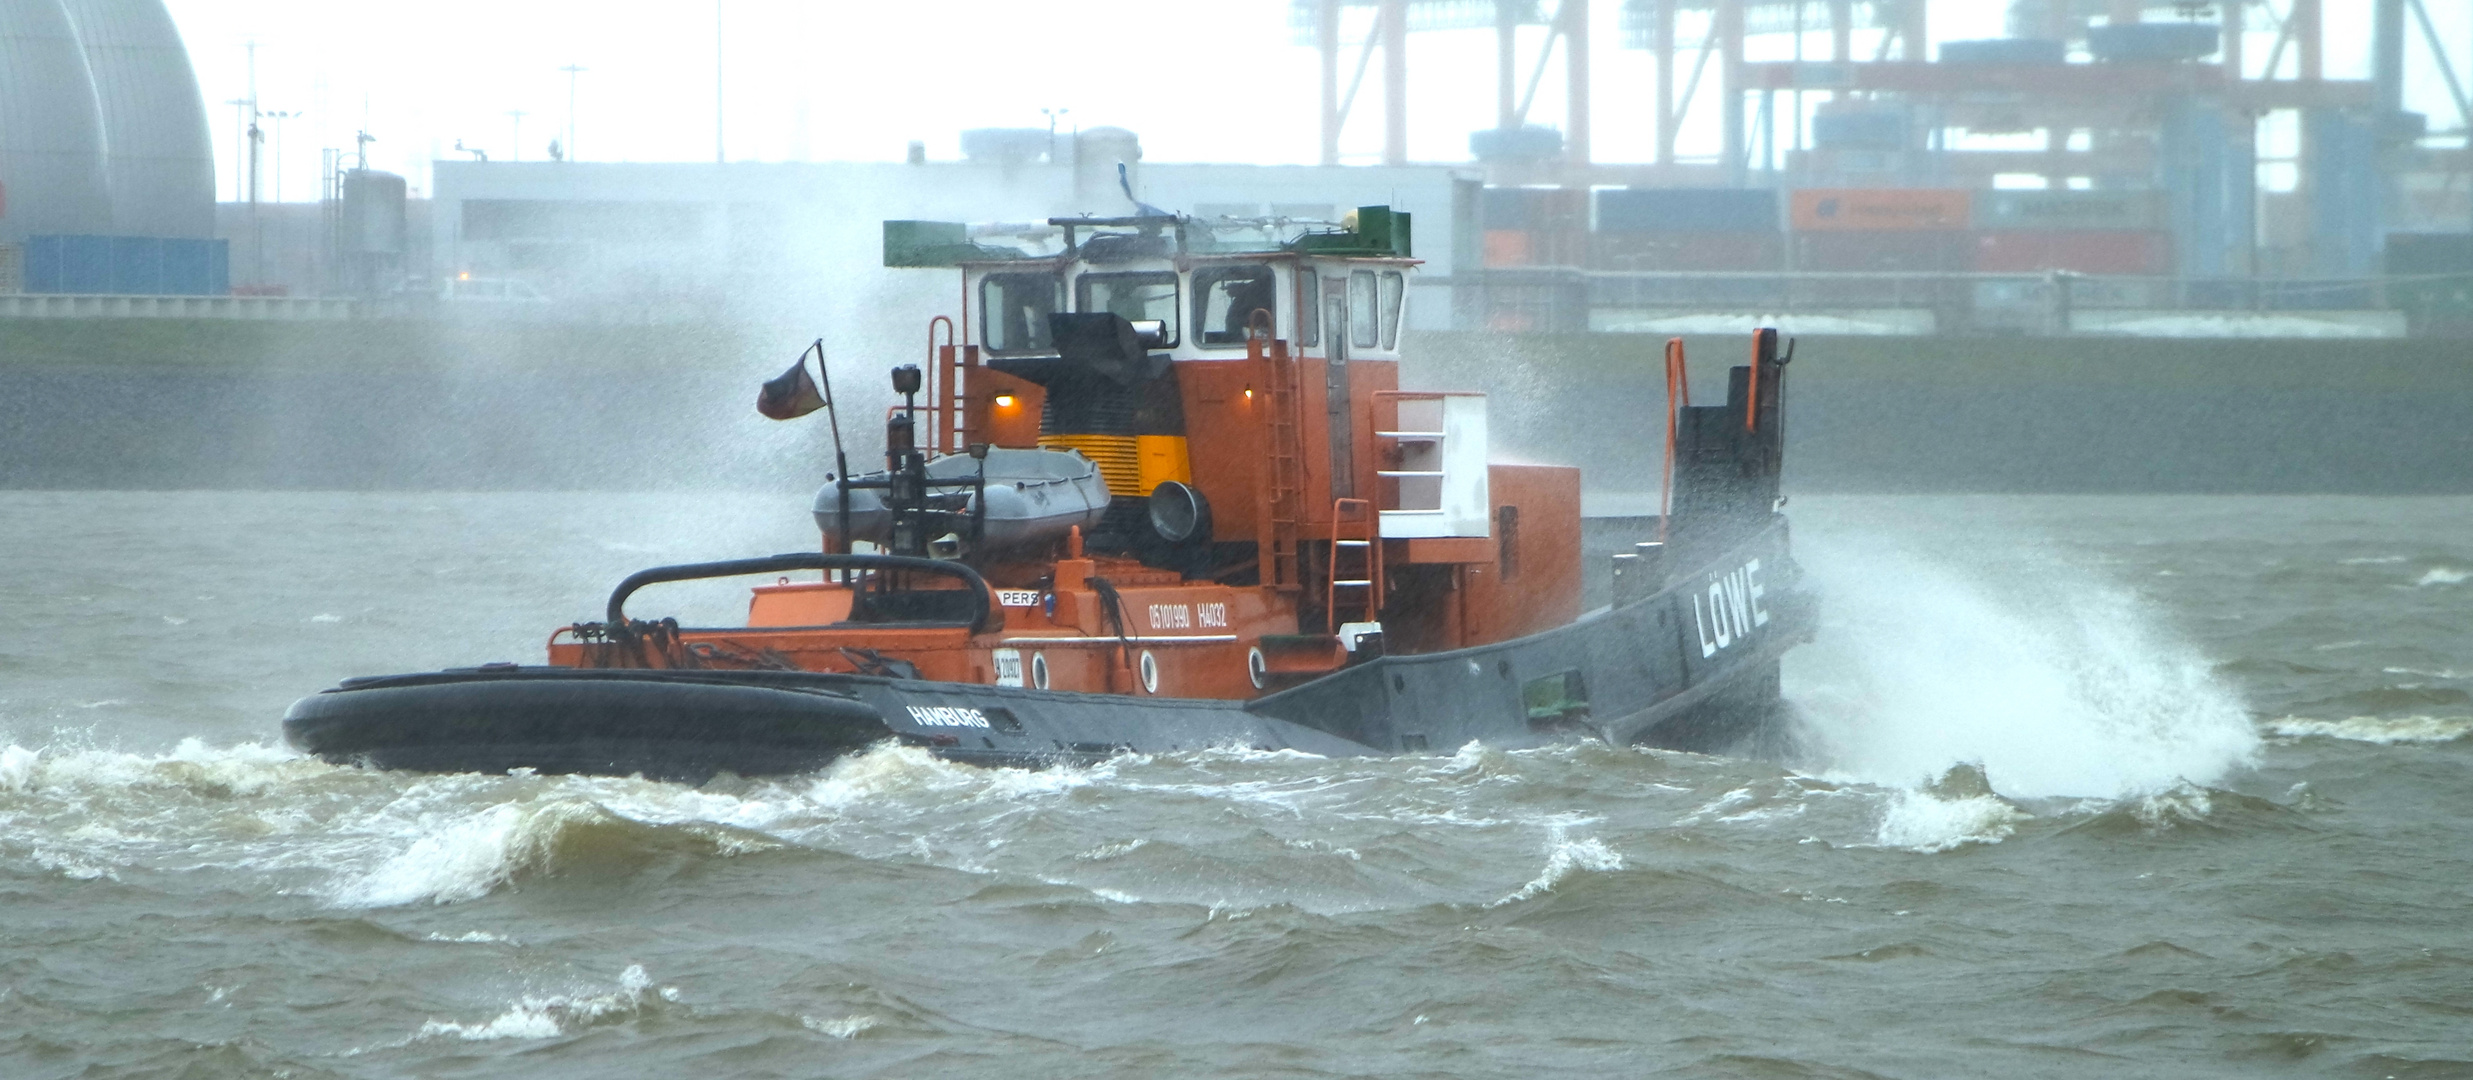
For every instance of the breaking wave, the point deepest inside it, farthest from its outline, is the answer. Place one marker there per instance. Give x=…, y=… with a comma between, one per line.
x=2048, y=684
x=1566, y=857
x=469, y=857
x=548, y=1017
x=2382, y=730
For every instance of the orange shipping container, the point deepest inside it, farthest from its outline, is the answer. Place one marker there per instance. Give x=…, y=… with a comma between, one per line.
x=1506, y=247
x=2020, y=251
x=1880, y=210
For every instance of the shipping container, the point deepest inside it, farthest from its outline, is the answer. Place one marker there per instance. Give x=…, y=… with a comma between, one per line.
x=1691, y=252
x=2439, y=299
x=1916, y=252
x=2017, y=251
x=1506, y=247
x=2411, y=254
x=2153, y=42
x=1535, y=208
x=2106, y=211
x=1867, y=129
x=1880, y=209
x=1686, y=210
x=1558, y=247
x=2005, y=51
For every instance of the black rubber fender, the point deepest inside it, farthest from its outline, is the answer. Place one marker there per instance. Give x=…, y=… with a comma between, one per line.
x=666, y=726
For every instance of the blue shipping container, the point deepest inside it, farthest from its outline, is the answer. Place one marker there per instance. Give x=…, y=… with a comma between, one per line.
x=127, y=266
x=2153, y=42
x=1861, y=131
x=2005, y=51
x=1687, y=210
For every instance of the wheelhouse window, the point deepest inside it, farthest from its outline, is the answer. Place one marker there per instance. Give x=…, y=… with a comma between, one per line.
x=1014, y=310
x=1309, y=317
x=1364, y=321
x=1225, y=299
x=1394, y=285
x=1134, y=296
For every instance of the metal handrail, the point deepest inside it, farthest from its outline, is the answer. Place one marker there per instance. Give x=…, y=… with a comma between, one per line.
x=800, y=560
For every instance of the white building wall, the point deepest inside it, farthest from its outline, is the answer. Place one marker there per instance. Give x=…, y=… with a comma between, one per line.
x=801, y=244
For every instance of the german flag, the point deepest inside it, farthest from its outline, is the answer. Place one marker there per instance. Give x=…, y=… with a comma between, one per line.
x=791, y=396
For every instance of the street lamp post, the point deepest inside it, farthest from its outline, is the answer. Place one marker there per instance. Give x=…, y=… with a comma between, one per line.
x=279, y=118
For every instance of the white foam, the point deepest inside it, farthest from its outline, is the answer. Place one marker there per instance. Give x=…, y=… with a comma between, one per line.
x=847, y=1027
x=17, y=767
x=243, y=770
x=1922, y=821
x=2383, y=730
x=2053, y=684
x=889, y=771
x=460, y=860
x=2181, y=805
x=2443, y=575
x=549, y=1017
x=1566, y=857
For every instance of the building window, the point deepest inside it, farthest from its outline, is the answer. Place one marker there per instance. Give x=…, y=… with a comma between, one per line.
x=1014, y=310
x=1507, y=540
x=1394, y=286
x=1225, y=299
x=1136, y=297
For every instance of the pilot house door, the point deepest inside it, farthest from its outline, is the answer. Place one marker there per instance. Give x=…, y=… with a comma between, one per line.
x=1335, y=386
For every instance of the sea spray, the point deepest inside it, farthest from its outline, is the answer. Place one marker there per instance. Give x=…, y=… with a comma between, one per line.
x=2051, y=682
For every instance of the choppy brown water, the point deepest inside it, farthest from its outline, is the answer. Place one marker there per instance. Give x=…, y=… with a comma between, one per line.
x=2213, y=822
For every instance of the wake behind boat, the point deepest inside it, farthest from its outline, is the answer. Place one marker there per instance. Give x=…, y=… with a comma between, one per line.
x=1164, y=493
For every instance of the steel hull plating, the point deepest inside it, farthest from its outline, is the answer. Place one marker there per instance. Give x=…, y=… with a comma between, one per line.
x=1693, y=667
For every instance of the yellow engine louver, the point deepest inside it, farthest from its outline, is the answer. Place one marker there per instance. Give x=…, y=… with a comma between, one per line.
x=1119, y=458
x=1132, y=465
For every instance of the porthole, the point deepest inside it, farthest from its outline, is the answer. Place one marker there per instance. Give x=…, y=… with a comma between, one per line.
x=1150, y=673
x=1039, y=670
x=1256, y=667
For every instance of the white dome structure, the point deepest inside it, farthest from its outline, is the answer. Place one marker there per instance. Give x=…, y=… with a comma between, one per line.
x=102, y=128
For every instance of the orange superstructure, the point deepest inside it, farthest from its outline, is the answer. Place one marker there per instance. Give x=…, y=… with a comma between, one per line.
x=1275, y=509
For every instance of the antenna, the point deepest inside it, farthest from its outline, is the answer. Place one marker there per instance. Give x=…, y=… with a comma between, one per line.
x=515, y=150
x=572, y=71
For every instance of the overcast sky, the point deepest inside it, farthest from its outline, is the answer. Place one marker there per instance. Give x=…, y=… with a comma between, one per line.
x=1223, y=81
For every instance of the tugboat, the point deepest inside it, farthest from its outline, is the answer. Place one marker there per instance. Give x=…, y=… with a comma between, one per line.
x=1157, y=489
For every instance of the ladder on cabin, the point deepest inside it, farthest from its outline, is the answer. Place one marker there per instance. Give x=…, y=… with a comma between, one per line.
x=1284, y=494
x=1355, y=565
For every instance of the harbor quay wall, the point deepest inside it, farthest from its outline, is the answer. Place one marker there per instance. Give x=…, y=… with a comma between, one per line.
x=170, y=403
x=2003, y=415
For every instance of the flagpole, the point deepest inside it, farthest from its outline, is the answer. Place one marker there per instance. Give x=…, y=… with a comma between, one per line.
x=841, y=460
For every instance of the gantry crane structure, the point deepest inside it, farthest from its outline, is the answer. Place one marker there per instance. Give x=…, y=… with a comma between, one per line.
x=2180, y=119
